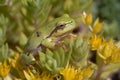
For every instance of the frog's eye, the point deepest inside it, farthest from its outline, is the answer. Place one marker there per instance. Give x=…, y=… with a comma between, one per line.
x=61, y=26
x=38, y=33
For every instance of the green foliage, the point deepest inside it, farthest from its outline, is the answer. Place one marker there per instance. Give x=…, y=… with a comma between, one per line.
x=26, y=15
x=70, y=6
x=108, y=9
x=4, y=53
x=80, y=50
x=111, y=30
x=52, y=61
x=21, y=18
x=25, y=60
x=3, y=29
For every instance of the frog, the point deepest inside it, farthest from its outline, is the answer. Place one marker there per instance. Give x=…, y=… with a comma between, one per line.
x=50, y=34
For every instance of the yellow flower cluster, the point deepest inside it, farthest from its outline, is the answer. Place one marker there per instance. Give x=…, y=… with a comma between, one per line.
x=70, y=73
x=97, y=26
x=108, y=51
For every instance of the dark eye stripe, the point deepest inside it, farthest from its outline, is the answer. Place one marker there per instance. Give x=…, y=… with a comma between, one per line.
x=38, y=33
x=61, y=26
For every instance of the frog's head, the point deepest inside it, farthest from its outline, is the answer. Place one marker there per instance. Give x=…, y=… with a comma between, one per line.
x=64, y=24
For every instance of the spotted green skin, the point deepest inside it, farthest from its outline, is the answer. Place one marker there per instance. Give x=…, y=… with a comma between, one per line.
x=43, y=36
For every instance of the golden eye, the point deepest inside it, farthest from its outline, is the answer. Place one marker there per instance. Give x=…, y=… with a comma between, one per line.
x=61, y=26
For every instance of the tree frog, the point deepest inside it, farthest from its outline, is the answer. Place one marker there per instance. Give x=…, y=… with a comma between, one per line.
x=50, y=34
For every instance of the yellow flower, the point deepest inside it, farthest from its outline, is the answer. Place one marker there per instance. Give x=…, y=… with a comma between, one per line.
x=30, y=76
x=87, y=19
x=95, y=42
x=97, y=26
x=43, y=76
x=105, y=50
x=109, y=52
x=4, y=69
x=68, y=72
x=79, y=76
x=87, y=72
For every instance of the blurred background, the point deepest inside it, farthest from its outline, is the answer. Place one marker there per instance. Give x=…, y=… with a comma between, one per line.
x=19, y=18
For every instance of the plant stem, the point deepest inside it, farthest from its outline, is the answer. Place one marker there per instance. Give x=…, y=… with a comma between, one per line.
x=100, y=69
